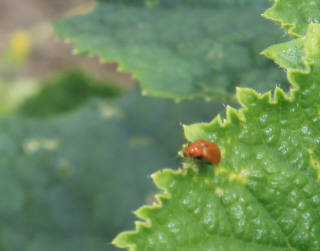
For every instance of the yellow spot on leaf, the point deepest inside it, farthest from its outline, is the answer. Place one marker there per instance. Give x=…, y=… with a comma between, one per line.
x=229, y=140
x=19, y=45
x=219, y=191
x=240, y=176
x=310, y=151
x=316, y=165
x=186, y=165
x=220, y=170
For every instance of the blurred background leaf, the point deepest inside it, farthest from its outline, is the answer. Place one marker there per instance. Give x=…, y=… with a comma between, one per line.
x=65, y=92
x=181, y=49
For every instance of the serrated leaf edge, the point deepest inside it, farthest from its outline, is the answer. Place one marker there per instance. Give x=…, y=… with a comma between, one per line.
x=289, y=27
x=120, y=240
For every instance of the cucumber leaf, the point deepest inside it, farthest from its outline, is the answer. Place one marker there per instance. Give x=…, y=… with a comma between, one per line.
x=181, y=49
x=265, y=192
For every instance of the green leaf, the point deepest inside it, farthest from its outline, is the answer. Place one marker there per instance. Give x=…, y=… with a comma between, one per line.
x=265, y=192
x=180, y=49
x=295, y=15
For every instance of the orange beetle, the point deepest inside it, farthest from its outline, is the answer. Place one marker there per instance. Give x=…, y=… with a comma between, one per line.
x=203, y=149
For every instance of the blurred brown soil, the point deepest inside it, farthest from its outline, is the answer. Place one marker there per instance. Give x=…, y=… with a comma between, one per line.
x=48, y=54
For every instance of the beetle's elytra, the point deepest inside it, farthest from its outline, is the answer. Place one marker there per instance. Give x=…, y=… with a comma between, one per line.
x=203, y=149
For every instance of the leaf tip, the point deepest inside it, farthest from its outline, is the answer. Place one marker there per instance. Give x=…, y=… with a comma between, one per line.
x=233, y=115
x=122, y=240
x=247, y=97
x=165, y=178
